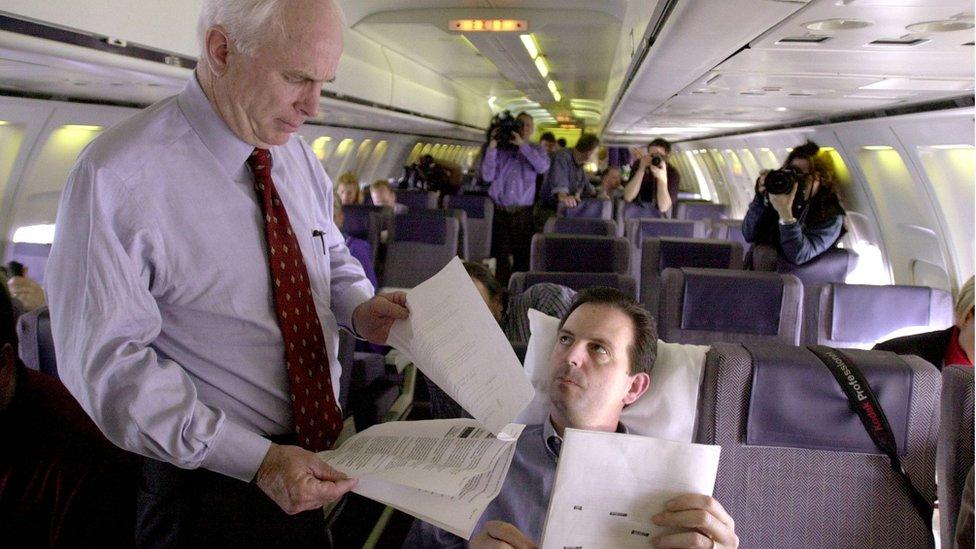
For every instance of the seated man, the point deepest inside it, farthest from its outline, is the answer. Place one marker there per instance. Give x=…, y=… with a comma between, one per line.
x=382, y=194
x=944, y=347
x=602, y=360
x=61, y=482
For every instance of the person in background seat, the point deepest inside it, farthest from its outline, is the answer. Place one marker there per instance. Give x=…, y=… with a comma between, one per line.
x=348, y=190
x=944, y=347
x=602, y=362
x=24, y=289
x=382, y=194
x=801, y=225
x=359, y=248
x=653, y=182
x=567, y=182
x=62, y=483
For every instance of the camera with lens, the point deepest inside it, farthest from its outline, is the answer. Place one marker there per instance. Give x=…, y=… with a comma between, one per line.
x=657, y=160
x=783, y=180
x=503, y=125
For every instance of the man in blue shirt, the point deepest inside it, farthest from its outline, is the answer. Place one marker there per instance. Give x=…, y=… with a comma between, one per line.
x=604, y=353
x=512, y=173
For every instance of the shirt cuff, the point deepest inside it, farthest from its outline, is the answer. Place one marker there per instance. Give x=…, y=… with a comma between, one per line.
x=236, y=452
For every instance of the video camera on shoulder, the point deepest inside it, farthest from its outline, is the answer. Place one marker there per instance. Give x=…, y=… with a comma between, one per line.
x=783, y=180
x=502, y=126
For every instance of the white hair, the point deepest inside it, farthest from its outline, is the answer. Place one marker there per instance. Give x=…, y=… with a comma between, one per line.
x=248, y=22
x=964, y=301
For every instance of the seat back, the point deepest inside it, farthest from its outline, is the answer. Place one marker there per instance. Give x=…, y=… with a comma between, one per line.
x=519, y=282
x=579, y=254
x=481, y=214
x=791, y=481
x=36, y=344
x=366, y=223
x=625, y=211
x=417, y=200
x=696, y=209
x=580, y=225
x=639, y=229
x=659, y=253
x=419, y=246
x=462, y=218
x=588, y=207
x=955, y=446
x=831, y=266
x=705, y=306
x=856, y=315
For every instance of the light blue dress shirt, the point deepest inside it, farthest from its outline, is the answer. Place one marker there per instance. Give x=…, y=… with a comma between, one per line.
x=159, y=287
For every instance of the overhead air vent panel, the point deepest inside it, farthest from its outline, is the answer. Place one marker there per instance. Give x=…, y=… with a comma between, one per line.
x=808, y=39
x=910, y=41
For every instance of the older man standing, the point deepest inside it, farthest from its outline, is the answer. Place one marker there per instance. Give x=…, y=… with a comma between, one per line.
x=602, y=361
x=197, y=283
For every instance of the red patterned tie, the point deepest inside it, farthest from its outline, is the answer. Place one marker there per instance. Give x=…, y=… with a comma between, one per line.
x=318, y=420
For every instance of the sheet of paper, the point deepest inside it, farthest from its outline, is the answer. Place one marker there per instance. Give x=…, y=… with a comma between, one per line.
x=456, y=342
x=458, y=515
x=609, y=485
x=439, y=456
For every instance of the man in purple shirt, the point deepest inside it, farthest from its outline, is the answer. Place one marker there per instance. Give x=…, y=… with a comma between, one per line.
x=512, y=172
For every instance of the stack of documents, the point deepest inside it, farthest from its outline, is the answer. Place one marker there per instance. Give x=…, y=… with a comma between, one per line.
x=445, y=472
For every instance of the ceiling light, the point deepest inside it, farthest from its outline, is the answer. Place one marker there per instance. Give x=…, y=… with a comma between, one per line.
x=555, y=91
x=587, y=114
x=950, y=147
x=488, y=25
x=586, y=104
x=919, y=84
x=530, y=44
x=540, y=63
x=4, y=122
x=948, y=25
x=781, y=109
x=877, y=148
x=838, y=24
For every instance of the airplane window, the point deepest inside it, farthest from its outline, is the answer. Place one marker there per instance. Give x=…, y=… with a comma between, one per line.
x=749, y=163
x=42, y=184
x=414, y=153
x=950, y=171
x=340, y=161
x=904, y=210
x=362, y=156
x=323, y=147
x=11, y=137
x=426, y=149
x=368, y=172
x=767, y=159
x=700, y=178
x=34, y=234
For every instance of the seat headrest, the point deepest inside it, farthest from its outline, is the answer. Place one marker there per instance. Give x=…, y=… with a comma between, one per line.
x=870, y=313
x=830, y=266
x=583, y=254
x=689, y=252
x=474, y=205
x=583, y=225
x=666, y=227
x=731, y=301
x=425, y=229
x=791, y=386
x=587, y=208
x=581, y=281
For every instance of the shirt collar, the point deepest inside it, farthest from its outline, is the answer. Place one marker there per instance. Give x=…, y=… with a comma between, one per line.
x=954, y=353
x=230, y=150
x=554, y=442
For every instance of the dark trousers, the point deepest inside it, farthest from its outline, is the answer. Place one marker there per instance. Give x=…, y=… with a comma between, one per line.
x=511, y=234
x=200, y=508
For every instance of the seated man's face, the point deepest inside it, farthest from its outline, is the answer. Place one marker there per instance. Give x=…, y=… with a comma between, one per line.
x=347, y=193
x=382, y=197
x=590, y=367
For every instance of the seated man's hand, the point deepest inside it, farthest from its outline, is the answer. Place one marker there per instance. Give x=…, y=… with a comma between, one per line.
x=297, y=480
x=568, y=200
x=500, y=535
x=372, y=319
x=708, y=525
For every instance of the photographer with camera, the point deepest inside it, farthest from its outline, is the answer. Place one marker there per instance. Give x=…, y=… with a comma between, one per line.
x=796, y=208
x=510, y=165
x=653, y=182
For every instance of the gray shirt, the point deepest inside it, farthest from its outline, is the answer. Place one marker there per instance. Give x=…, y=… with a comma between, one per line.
x=160, y=292
x=566, y=176
x=524, y=498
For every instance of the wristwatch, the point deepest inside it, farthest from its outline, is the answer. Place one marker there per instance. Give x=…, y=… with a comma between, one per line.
x=786, y=222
